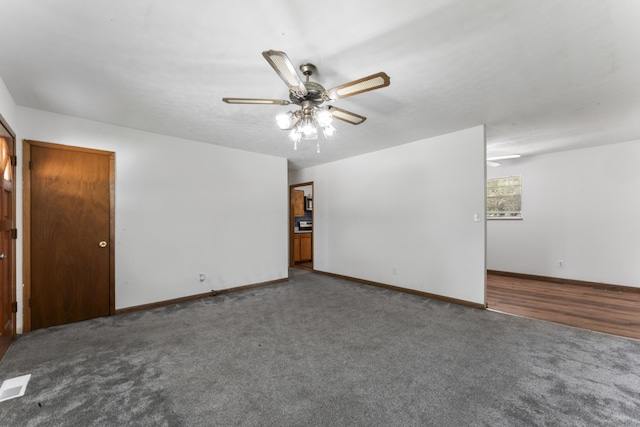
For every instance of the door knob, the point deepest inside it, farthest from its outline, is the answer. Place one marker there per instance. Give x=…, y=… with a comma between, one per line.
x=1, y=257
x=103, y=244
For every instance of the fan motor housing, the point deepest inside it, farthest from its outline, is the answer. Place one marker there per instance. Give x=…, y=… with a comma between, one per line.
x=314, y=90
x=314, y=94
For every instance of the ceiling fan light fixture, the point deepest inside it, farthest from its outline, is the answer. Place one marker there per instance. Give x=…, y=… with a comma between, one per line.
x=286, y=120
x=307, y=128
x=329, y=131
x=295, y=135
x=324, y=117
x=310, y=133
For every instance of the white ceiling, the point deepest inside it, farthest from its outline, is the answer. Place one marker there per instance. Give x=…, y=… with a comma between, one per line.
x=543, y=75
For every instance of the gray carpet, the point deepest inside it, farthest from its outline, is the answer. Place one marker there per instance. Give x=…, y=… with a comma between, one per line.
x=320, y=351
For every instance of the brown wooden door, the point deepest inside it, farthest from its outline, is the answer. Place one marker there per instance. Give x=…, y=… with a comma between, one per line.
x=7, y=242
x=70, y=235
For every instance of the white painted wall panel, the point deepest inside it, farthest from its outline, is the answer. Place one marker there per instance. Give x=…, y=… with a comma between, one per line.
x=8, y=106
x=404, y=216
x=183, y=208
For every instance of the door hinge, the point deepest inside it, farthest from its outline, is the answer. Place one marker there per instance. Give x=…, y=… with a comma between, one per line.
x=14, y=306
x=30, y=164
x=29, y=302
x=14, y=160
x=14, y=233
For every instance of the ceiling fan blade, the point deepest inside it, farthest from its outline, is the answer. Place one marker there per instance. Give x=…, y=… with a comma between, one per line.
x=256, y=101
x=347, y=116
x=365, y=84
x=285, y=69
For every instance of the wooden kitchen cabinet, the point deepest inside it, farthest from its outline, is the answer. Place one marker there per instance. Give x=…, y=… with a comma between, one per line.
x=305, y=247
x=302, y=247
x=298, y=203
x=296, y=248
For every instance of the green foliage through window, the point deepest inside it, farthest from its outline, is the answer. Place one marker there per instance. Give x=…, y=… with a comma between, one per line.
x=504, y=198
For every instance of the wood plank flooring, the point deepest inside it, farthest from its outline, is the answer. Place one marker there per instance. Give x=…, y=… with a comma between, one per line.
x=304, y=265
x=596, y=309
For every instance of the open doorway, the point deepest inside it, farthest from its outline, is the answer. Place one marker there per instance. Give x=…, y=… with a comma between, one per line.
x=8, y=234
x=301, y=226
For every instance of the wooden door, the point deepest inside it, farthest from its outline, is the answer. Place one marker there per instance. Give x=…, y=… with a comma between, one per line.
x=71, y=234
x=7, y=236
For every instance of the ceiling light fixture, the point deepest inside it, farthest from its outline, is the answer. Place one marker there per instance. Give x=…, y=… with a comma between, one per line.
x=505, y=157
x=304, y=123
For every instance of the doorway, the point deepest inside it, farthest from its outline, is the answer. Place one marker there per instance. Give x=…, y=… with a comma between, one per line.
x=8, y=234
x=69, y=234
x=301, y=226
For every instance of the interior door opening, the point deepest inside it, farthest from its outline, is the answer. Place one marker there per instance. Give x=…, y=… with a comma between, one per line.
x=301, y=226
x=8, y=234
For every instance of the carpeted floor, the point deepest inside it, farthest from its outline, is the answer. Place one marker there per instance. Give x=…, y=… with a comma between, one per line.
x=321, y=351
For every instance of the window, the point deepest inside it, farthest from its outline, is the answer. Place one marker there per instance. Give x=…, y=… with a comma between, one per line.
x=504, y=198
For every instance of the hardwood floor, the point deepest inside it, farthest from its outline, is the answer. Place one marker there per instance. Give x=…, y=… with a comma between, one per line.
x=614, y=312
x=304, y=265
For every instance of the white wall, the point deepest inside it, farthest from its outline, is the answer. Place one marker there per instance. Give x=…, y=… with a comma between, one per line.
x=8, y=106
x=183, y=208
x=580, y=206
x=404, y=216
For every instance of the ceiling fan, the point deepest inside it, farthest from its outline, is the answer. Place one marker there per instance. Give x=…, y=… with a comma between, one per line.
x=304, y=123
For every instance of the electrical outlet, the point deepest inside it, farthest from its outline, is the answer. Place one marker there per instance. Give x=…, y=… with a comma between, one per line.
x=560, y=263
x=202, y=277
